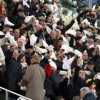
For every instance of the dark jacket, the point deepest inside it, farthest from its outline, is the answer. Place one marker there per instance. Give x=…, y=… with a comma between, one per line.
x=14, y=74
x=65, y=89
x=96, y=60
x=77, y=85
x=89, y=96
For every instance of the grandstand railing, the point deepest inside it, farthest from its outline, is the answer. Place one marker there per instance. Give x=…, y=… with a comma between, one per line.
x=15, y=94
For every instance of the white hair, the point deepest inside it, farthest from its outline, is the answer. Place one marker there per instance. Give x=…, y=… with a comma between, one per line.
x=85, y=90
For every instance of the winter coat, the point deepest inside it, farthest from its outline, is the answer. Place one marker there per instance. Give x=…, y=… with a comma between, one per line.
x=34, y=78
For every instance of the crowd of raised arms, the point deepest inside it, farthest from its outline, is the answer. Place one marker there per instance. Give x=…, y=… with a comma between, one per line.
x=48, y=55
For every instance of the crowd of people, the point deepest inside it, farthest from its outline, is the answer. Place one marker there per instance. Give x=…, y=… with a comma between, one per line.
x=44, y=59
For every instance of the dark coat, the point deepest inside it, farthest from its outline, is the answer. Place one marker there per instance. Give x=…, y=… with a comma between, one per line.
x=52, y=85
x=65, y=89
x=89, y=96
x=96, y=60
x=14, y=74
x=77, y=85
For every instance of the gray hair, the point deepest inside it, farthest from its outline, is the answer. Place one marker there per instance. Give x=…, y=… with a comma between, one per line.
x=85, y=90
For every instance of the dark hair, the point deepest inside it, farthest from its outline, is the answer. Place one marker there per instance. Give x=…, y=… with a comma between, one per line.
x=89, y=82
x=20, y=57
x=90, y=62
x=76, y=74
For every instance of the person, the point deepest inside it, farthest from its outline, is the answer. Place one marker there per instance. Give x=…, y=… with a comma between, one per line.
x=34, y=79
x=89, y=96
x=86, y=94
x=90, y=69
x=2, y=67
x=78, y=82
x=13, y=71
x=22, y=60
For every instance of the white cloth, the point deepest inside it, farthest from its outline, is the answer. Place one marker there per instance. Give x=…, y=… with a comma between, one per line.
x=10, y=38
x=7, y=22
x=48, y=29
x=67, y=63
x=78, y=53
x=71, y=32
x=26, y=4
x=1, y=33
x=2, y=57
x=75, y=26
x=66, y=48
x=28, y=19
x=40, y=50
x=33, y=39
x=65, y=41
x=53, y=64
x=85, y=21
x=55, y=11
x=84, y=38
x=97, y=76
x=21, y=98
x=44, y=44
x=53, y=55
x=87, y=32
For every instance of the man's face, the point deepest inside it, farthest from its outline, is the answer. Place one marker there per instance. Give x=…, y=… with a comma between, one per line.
x=8, y=29
x=15, y=53
x=42, y=23
x=17, y=33
x=85, y=56
x=82, y=74
x=90, y=42
x=20, y=43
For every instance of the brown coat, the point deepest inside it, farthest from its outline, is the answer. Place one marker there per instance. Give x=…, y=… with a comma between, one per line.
x=35, y=77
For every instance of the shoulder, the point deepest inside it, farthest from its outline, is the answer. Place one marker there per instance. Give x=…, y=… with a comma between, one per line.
x=89, y=96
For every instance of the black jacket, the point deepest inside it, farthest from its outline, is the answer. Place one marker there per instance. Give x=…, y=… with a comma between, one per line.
x=89, y=96
x=14, y=74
